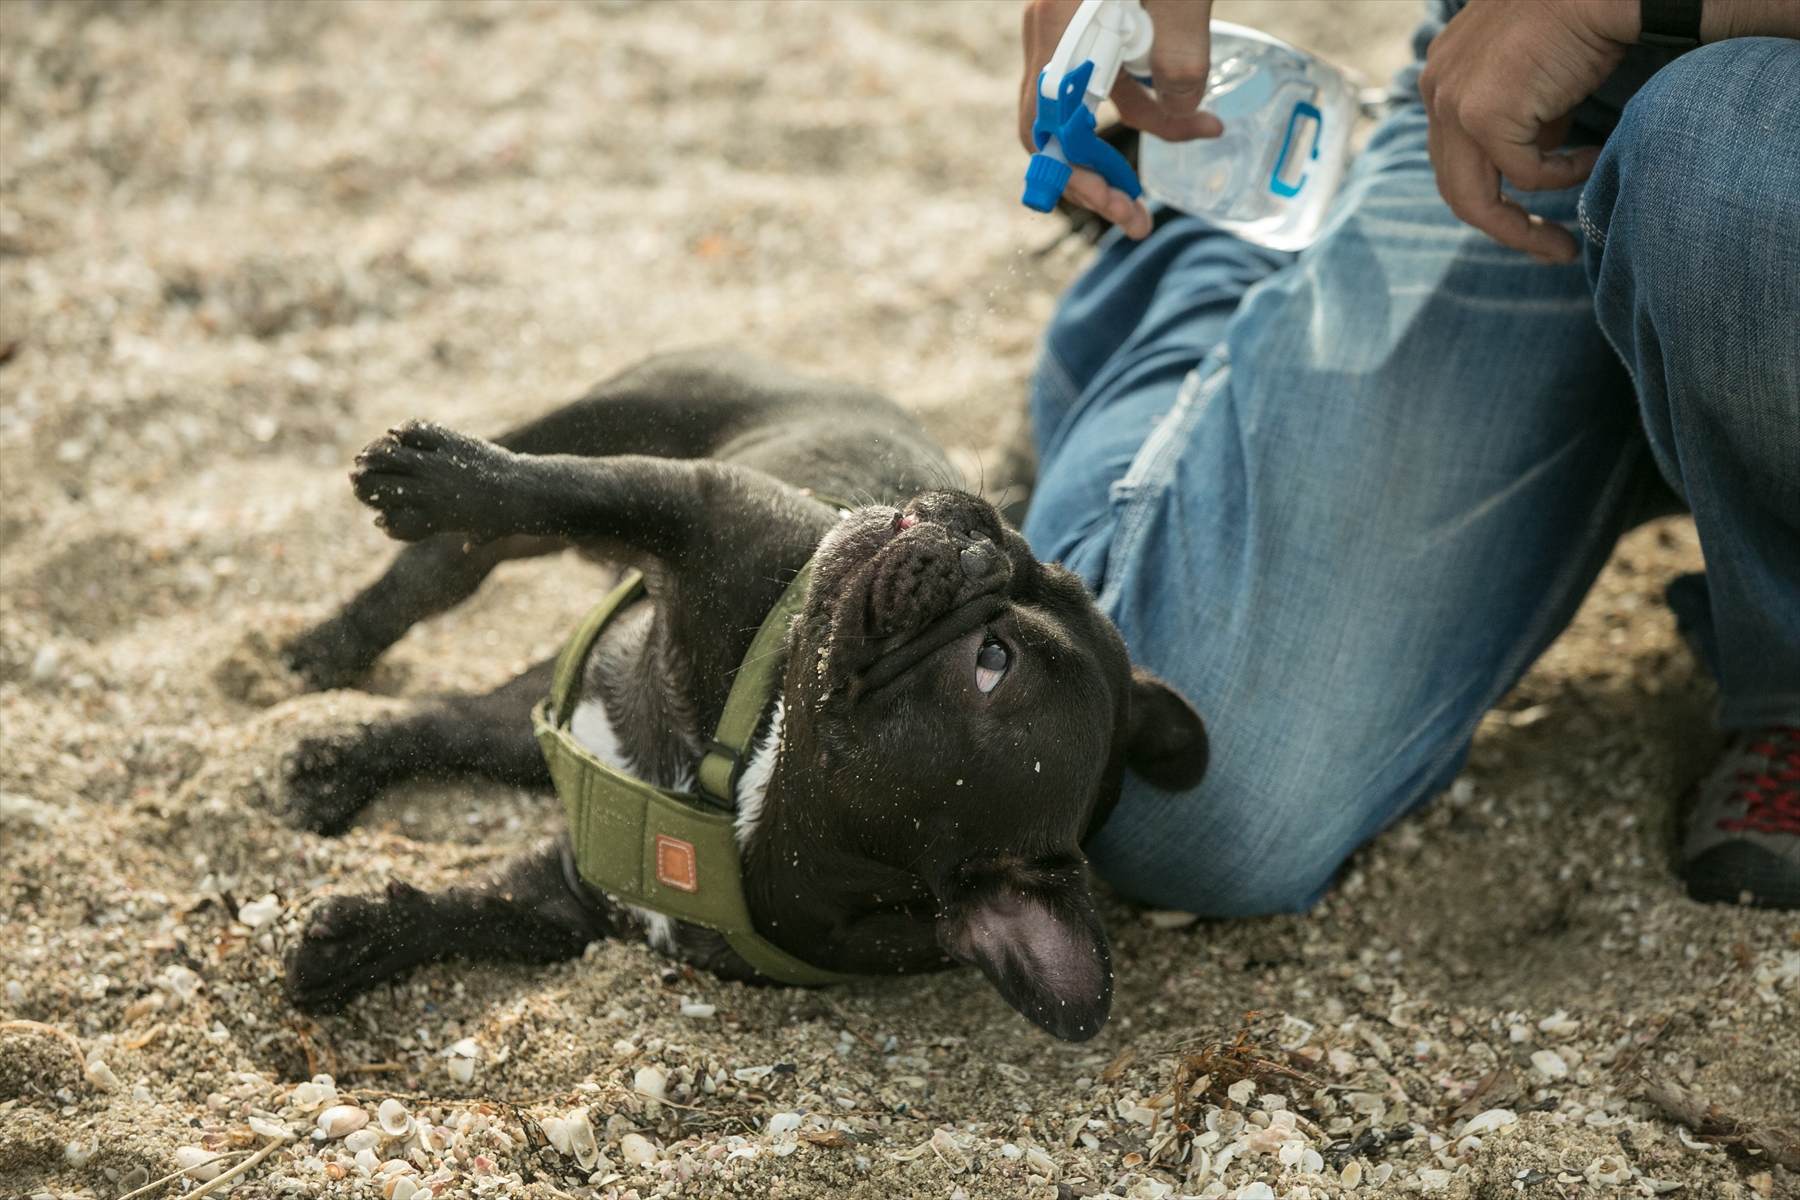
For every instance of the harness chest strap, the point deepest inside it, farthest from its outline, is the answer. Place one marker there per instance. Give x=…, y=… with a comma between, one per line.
x=671, y=852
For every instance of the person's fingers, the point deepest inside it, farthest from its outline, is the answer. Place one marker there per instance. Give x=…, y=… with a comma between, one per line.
x=1139, y=109
x=1181, y=55
x=1091, y=192
x=1470, y=184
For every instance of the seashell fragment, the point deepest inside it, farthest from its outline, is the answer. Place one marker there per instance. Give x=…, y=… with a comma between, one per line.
x=1560, y=1024
x=403, y=1188
x=637, y=1149
x=367, y=1162
x=341, y=1119
x=1487, y=1122
x=1040, y=1162
x=1241, y=1091
x=463, y=1056
x=1169, y=919
x=77, y=1155
x=1011, y=1073
x=698, y=1011
x=258, y=913
x=1224, y=1123
x=651, y=1081
x=198, y=1163
x=781, y=1123
x=944, y=1142
x=395, y=1121
x=751, y=1074
x=557, y=1131
x=581, y=1139
x=1611, y=1169
x=624, y=1048
x=1434, y=1179
x=1549, y=1064
x=1312, y=1160
x=268, y=1129
x=1291, y=1152
x=362, y=1139
x=1351, y=1175
x=322, y=1090
x=1256, y=1191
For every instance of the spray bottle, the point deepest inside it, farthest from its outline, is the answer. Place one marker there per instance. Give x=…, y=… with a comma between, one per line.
x=1269, y=178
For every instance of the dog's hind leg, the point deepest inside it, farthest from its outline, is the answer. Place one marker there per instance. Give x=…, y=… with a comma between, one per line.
x=424, y=579
x=331, y=779
x=528, y=912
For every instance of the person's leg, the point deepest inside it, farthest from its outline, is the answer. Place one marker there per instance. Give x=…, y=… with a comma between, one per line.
x=1692, y=223
x=1362, y=522
x=1123, y=338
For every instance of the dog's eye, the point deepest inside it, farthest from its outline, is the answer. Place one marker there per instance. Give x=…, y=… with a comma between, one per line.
x=990, y=665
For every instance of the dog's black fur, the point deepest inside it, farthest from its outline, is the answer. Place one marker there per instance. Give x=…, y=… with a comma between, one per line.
x=908, y=822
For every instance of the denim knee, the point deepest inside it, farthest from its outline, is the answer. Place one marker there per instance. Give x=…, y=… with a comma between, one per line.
x=1676, y=185
x=1690, y=220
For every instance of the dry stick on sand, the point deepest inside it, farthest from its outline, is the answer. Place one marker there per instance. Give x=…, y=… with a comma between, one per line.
x=1711, y=1121
x=40, y=1027
x=156, y=1183
x=247, y=1165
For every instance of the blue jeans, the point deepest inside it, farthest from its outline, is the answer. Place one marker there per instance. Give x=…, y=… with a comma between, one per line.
x=1342, y=500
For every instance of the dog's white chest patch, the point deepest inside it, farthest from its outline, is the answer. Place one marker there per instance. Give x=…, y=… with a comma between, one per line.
x=594, y=730
x=753, y=784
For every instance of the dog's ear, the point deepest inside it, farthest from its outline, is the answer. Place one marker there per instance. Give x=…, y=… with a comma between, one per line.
x=1167, y=744
x=1033, y=930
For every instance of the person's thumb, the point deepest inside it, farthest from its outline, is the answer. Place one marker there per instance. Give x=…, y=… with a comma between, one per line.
x=1181, y=56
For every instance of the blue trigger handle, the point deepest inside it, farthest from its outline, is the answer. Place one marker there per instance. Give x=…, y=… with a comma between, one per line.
x=1068, y=120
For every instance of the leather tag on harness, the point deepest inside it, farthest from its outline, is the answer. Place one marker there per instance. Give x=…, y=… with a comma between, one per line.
x=675, y=866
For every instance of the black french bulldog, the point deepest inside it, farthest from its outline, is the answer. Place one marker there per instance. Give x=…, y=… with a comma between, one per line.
x=902, y=810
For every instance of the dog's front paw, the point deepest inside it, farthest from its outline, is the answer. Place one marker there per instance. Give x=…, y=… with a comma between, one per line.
x=331, y=779
x=354, y=942
x=423, y=479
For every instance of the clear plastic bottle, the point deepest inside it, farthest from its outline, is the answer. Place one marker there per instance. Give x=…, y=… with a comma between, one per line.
x=1270, y=177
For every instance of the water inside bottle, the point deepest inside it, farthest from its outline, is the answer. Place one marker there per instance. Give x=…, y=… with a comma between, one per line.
x=1272, y=174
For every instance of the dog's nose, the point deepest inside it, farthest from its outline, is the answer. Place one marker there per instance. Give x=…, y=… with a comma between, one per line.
x=982, y=560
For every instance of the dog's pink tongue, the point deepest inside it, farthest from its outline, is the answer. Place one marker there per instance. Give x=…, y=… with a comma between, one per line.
x=907, y=521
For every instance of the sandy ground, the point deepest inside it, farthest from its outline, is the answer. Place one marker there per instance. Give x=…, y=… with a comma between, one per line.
x=237, y=241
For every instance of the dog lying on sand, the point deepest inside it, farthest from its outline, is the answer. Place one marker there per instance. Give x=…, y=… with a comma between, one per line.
x=947, y=718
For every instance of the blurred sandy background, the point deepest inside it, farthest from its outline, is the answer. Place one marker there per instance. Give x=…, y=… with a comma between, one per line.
x=238, y=240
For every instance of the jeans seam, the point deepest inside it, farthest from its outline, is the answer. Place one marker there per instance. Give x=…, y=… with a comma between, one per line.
x=1593, y=232
x=1147, y=476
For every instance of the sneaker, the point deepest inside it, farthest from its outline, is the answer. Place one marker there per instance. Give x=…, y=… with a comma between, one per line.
x=1743, y=838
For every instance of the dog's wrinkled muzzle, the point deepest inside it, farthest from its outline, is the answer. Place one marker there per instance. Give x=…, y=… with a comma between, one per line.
x=965, y=618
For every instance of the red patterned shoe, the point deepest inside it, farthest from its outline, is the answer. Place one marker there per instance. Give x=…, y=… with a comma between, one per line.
x=1743, y=839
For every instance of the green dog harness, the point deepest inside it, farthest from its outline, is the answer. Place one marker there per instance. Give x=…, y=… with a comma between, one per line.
x=671, y=852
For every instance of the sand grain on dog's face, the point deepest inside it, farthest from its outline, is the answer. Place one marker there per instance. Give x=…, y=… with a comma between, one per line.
x=236, y=242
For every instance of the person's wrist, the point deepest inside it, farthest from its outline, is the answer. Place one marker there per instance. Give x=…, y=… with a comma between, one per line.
x=1615, y=20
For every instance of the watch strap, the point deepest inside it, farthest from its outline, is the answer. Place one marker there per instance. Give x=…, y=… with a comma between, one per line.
x=1673, y=24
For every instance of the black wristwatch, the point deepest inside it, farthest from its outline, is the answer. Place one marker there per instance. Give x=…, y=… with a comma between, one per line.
x=1673, y=24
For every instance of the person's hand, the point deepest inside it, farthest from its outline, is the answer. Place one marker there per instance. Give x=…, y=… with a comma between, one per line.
x=1499, y=84
x=1180, y=58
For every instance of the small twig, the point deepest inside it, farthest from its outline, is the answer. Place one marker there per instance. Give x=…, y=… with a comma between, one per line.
x=1706, y=1118
x=247, y=1165
x=156, y=1183
x=40, y=1027
x=379, y=1068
